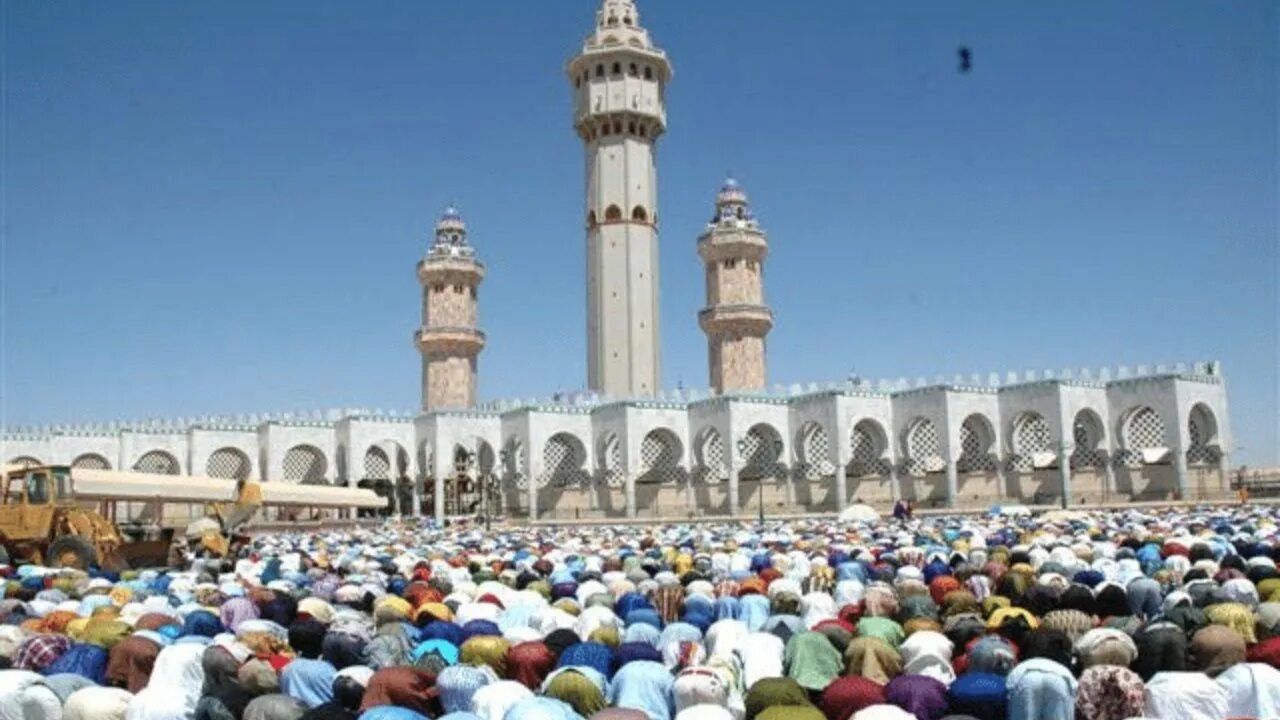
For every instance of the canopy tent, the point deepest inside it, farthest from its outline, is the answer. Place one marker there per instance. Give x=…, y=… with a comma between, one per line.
x=859, y=513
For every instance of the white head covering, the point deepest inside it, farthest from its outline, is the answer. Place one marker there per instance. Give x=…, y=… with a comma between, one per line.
x=174, y=687
x=1253, y=690
x=492, y=701
x=23, y=696
x=97, y=703
x=1186, y=696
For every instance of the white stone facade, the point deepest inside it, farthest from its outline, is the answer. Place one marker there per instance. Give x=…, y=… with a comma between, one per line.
x=619, y=80
x=1155, y=434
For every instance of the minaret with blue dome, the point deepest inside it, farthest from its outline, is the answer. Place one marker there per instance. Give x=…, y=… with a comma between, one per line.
x=449, y=339
x=619, y=84
x=736, y=319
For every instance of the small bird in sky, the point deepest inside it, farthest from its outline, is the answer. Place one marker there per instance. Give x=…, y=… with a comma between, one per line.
x=966, y=59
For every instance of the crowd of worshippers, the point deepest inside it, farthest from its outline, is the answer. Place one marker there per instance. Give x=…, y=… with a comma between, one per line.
x=1105, y=616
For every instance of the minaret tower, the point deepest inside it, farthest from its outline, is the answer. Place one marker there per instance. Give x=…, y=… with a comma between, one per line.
x=736, y=319
x=448, y=339
x=619, y=80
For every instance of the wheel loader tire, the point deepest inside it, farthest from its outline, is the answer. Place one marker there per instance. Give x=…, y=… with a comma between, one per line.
x=71, y=551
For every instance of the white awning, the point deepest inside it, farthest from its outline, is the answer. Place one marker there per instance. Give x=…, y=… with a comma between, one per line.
x=320, y=496
x=89, y=484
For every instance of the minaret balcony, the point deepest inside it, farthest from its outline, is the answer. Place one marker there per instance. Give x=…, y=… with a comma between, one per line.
x=448, y=341
x=736, y=320
x=735, y=244
x=450, y=270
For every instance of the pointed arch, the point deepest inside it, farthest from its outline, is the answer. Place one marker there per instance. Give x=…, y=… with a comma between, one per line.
x=1203, y=445
x=761, y=452
x=660, y=454
x=977, y=443
x=639, y=214
x=923, y=449
x=1030, y=437
x=563, y=458
x=612, y=213
x=867, y=445
x=813, y=451
x=709, y=456
x=1087, y=435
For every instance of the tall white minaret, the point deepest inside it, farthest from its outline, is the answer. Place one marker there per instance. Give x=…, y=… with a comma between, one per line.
x=618, y=110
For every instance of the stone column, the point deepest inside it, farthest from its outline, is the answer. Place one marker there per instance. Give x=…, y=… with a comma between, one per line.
x=1180, y=473
x=1224, y=472
x=629, y=483
x=842, y=486
x=895, y=492
x=1064, y=473
x=1109, y=477
x=416, y=511
x=439, y=497
x=733, y=491
x=953, y=482
x=533, y=497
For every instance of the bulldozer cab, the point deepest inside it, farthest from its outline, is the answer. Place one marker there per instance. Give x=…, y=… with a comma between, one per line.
x=35, y=485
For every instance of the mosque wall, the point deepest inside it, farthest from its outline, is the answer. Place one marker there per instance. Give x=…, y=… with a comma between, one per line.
x=1139, y=438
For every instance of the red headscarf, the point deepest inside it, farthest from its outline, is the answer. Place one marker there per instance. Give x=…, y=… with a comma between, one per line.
x=847, y=695
x=529, y=663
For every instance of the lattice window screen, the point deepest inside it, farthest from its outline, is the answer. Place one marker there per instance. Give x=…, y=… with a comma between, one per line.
x=924, y=453
x=660, y=457
x=306, y=464
x=1199, y=452
x=612, y=459
x=866, y=451
x=1030, y=436
x=760, y=450
x=25, y=461
x=228, y=463
x=975, y=447
x=515, y=467
x=91, y=462
x=157, y=462
x=1086, y=438
x=713, y=467
x=816, y=446
x=1145, y=430
x=561, y=462
x=376, y=465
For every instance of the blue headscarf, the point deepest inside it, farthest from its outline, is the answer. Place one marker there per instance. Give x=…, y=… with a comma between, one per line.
x=83, y=659
x=646, y=686
x=458, y=685
x=308, y=681
x=202, y=622
x=594, y=655
x=440, y=630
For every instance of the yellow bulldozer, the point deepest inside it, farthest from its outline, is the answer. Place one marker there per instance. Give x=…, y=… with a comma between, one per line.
x=63, y=517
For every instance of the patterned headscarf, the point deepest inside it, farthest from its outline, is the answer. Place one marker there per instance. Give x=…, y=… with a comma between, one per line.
x=1110, y=692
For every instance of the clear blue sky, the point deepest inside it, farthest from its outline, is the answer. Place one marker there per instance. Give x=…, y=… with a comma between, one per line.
x=217, y=207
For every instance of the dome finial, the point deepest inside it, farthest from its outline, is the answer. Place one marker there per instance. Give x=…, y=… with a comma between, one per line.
x=450, y=228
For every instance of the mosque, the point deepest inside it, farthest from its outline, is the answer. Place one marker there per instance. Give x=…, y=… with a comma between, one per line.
x=629, y=449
